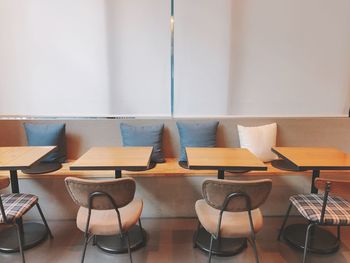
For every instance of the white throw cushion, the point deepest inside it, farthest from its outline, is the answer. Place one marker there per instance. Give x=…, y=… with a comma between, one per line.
x=259, y=140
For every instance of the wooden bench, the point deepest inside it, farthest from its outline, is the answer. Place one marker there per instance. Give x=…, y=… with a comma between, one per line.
x=168, y=190
x=169, y=168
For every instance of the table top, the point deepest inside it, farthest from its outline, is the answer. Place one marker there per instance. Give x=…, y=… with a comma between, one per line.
x=114, y=158
x=222, y=159
x=315, y=158
x=21, y=157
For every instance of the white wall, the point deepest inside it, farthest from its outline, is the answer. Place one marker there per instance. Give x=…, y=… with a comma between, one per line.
x=271, y=57
x=232, y=57
x=202, y=47
x=52, y=57
x=84, y=57
x=139, y=56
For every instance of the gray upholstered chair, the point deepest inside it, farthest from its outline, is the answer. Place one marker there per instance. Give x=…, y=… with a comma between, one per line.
x=230, y=209
x=107, y=207
x=327, y=209
x=13, y=207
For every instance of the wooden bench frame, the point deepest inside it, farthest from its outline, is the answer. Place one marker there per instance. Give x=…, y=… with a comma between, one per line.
x=169, y=168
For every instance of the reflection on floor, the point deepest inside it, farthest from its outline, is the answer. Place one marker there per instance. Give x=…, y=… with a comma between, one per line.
x=170, y=240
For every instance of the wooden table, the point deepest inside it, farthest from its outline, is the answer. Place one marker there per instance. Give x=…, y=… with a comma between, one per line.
x=222, y=159
x=315, y=159
x=114, y=158
x=13, y=159
x=117, y=159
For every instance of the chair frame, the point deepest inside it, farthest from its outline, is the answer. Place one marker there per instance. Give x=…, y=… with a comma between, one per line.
x=312, y=223
x=88, y=237
x=248, y=209
x=19, y=226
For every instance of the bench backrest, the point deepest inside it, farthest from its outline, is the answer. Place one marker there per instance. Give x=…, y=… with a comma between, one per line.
x=292, y=131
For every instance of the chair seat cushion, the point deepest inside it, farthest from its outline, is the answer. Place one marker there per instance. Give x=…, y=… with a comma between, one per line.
x=105, y=222
x=310, y=206
x=16, y=205
x=233, y=224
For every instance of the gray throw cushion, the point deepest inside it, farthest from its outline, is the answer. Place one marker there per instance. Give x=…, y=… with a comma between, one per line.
x=196, y=134
x=146, y=135
x=48, y=135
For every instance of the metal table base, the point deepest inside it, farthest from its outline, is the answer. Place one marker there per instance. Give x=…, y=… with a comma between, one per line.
x=116, y=245
x=225, y=248
x=321, y=240
x=34, y=234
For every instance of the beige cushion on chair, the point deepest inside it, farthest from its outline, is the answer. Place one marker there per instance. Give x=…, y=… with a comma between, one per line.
x=233, y=224
x=105, y=222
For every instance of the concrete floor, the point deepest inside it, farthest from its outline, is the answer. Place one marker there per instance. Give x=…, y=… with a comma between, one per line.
x=170, y=240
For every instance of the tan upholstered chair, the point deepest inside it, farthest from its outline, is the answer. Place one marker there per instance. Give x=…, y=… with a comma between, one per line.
x=14, y=206
x=107, y=207
x=230, y=209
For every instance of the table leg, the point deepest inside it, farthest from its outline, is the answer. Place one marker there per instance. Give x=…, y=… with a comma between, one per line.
x=14, y=181
x=221, y=174
x=321, y=240
x=223, y=247
x=33, y=233
x=117, y=174
x=315, y=174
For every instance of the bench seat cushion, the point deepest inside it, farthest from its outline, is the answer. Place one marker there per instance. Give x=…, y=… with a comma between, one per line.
x=196, y=134
x=145, y=135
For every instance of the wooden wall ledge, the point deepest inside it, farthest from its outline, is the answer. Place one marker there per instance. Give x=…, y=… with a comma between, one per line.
x=169, y=168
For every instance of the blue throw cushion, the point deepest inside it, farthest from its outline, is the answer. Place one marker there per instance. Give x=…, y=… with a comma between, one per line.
x=48, y=135
x=196, y=134
x=146, y=135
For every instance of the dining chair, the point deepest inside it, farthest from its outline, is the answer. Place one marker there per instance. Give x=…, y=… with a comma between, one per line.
x=14, y=206
x=230, y=209
x=326, y=209
x=107, y=207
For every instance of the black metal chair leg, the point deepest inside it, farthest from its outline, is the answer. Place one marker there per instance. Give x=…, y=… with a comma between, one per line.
x=20, y=242
x=307, y=241
x=196, y=235
x=211, y=247
x=284, y=222
x=338, y=233
x=44, y=220
x=253, y=243
x=142, y=232
x=128, y=243
x=85, y=245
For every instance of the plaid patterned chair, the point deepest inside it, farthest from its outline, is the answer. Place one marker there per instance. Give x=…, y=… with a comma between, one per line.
x=322, y=209
x=13, y=207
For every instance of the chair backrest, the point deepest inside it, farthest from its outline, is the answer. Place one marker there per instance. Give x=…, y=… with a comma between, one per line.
x=4, y=182
x=121, y=190
x=215, y=192
x=337, y=187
